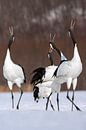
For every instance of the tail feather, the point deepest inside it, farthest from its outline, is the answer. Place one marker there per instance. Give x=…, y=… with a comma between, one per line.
x=38, y=70
x=37, y=75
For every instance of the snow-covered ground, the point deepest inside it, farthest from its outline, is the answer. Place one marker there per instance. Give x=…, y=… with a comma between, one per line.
x=32, y=115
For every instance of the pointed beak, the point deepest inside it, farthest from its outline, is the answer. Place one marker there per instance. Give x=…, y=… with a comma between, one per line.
x=51, y=48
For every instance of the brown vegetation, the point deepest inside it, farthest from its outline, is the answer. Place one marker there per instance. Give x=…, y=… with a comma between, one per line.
x=33, y=21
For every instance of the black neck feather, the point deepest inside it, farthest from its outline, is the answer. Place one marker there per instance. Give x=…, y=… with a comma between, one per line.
x=57, y=50
x=10, y=41
x=50, y=58
x=72, y=37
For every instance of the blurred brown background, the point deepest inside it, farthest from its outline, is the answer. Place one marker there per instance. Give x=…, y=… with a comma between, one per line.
x=33, y=21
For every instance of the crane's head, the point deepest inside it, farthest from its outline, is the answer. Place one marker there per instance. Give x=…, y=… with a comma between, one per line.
x=53, y=46
x=70, y=31
x=51, y=42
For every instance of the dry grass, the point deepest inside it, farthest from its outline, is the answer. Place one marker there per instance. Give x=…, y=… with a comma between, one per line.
x=26, y=88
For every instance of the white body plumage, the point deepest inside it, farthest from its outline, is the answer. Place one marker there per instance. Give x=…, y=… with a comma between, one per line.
x=49, y=71
x=55, y=86
x=12, y=72
x=44, y=92
x=70, y=69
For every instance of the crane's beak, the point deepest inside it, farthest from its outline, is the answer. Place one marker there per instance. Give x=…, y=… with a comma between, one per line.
x=51, y=48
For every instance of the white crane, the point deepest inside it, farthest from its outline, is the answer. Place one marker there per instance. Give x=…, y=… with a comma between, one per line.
x=44, y=89
x=69, y=71
x=42, y=79
x=13, y=73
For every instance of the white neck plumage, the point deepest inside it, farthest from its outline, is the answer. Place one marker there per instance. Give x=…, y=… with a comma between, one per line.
x=76, y=55
x=8, y=57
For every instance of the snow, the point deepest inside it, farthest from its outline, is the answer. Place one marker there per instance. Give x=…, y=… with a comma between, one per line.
x=32, y=115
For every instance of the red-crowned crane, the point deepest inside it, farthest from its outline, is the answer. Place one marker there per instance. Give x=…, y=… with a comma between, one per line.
x=13, y=73
x=42, y=79
x=68, y=71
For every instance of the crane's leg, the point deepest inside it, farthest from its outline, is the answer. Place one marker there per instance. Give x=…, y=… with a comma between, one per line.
x=58, y=101
x=68, y=94
x=12, y=99
x=19, y=98
x=52, y=105
x=74, y=87
x=72, y=101
x=74, y=81
x=10, y=84
x=48, y=98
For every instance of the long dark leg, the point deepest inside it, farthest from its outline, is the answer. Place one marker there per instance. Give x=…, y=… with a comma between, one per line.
x=72, y=101
x=58, y=101
x=12, y=99
x=19, y=98
x=52, y=105
x=48, y=101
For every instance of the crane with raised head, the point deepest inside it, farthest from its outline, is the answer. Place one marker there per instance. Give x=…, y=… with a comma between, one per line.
x=13, y=73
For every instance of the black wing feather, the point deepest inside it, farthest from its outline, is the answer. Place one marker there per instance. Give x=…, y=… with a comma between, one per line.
x=55, y=73
x=37, y=75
